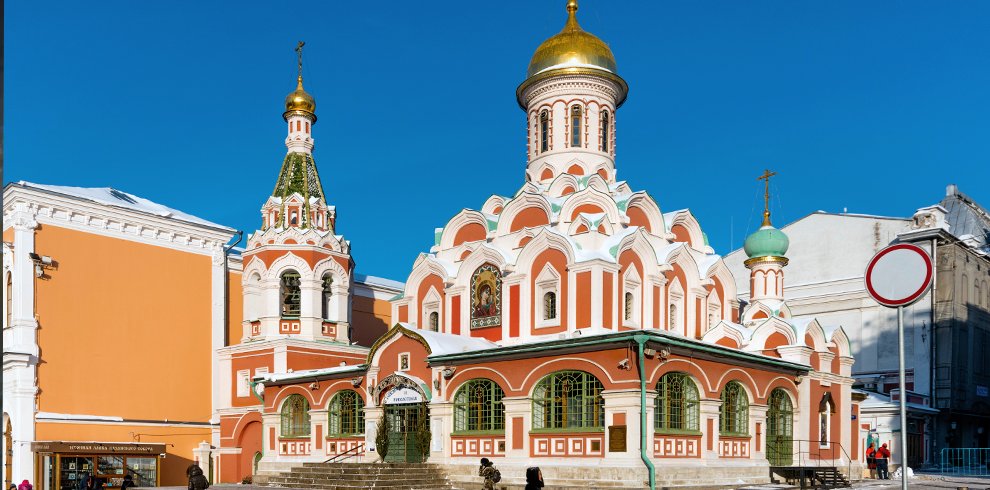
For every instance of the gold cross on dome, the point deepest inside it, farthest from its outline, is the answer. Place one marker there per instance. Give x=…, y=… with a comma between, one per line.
x=766, y=195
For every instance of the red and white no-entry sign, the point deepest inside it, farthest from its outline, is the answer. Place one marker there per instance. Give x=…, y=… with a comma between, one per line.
x=899, y=275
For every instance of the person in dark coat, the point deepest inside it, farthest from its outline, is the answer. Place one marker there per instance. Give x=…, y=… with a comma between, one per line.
x=534, y=478
x=196, y=479
x=487, y=471
x=84, y=482
x=882, y=456
x=128, y=482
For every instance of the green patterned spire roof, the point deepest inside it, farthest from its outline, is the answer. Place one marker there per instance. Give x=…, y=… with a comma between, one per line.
x=299, y=175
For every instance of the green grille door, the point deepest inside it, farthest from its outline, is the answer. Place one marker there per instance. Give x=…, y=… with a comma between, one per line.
x=402, y=438
x=780, y=429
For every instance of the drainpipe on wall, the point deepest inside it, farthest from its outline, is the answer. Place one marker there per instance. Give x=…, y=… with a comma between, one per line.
x=640, y=344
x=226, y=289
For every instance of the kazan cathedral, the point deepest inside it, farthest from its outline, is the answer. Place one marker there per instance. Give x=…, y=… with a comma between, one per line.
x=572, y=325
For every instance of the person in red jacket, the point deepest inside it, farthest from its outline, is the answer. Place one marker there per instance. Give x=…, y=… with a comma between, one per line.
x=882, y=455
x=871, y=462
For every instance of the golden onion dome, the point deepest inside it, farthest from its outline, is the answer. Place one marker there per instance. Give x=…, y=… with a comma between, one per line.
x=572, y=51
x=572, y=47
x=300, y=101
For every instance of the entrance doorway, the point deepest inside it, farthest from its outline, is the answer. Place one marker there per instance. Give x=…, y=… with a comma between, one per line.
x=402, y=438
x=780, y=429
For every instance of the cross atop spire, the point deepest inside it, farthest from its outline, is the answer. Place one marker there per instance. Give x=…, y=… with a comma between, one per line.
x=299, y=49
x=766, y=195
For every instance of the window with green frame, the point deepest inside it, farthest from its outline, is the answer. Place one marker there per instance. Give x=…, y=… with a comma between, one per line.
x=733, y=418
x=568, y=400
x=676, y=404
x=295, y=417
x=478, y=407
x=346, y=414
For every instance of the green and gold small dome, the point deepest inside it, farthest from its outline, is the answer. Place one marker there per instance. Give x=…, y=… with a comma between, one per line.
x=766, y=242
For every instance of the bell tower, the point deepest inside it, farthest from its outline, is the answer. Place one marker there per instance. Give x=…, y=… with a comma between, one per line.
x=297, y=270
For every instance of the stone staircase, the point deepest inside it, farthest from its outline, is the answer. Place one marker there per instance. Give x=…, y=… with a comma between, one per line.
x=816, y=476
x=352, y=476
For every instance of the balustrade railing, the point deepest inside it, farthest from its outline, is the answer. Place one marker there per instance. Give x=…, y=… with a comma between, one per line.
x=965, y=461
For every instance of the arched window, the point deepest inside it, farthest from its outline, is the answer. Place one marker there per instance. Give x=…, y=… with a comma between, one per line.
x=977, y=297
x=826, y=408
x=295, y=417
x=346, y=417
x=605, y=129
x=575, y=126
x=10, y=299
x=549, y=305
x=327, y=295
x=434, y=321
x=478, y=407
x=965, y=290
x=676, y=404
x=544, y=131
x=629, y=306
x=733, y=418
x=290, y=296
x=568, y=400
x=672, y=317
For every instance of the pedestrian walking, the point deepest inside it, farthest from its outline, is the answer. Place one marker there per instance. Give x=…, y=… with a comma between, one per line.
x=25, y=485
x=871, y=460
x=489, y=472
x=882, y=456
x=534, y=478
x=128, y=482
x=196, y=479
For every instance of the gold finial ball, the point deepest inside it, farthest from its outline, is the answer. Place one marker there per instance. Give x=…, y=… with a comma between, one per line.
x=300, y=100
x=572, y=6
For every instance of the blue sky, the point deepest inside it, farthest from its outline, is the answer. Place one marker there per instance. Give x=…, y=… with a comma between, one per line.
x=867, y=106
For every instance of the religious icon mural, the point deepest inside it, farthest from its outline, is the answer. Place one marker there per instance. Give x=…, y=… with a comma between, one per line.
x=486, y=297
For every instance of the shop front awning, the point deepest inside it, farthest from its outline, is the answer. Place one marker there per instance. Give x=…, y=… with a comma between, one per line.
x=83, y=447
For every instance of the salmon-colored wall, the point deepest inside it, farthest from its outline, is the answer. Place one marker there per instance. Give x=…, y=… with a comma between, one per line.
x=836, y=419
x=249, y=361
x=180, y=441
x=575, y=170
x=470, y=232
x=637, y=217
x=583, y=280
x=681, y=234
x=389, y=359
x=528, y=218
x=586, y=208
x=455, y=320
x=514, y=311
x=558, y=261
x=435, y=282
x=112, y=317
x=370, y=318
x=404, y=313
x=727, y=342
x=312, y=257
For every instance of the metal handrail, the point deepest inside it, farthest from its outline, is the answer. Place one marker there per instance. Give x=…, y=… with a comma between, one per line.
x=802, y=461
x=345, y=453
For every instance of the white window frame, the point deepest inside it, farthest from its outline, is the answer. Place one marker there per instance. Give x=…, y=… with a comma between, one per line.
x=546, y=282
x=676, y=299
x=714, y=310
x=431, y=304
x=243, y=383
x=632, y=284
x=408, y=363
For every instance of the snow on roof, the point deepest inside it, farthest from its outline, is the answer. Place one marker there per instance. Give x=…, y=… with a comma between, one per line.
x=379, y=281
x=113, y=197
x=878, y=402
x=75, y=416
x=445, y=343
x=306, y=373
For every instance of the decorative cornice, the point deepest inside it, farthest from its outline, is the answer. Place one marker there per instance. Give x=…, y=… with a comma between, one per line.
x=750, y=263
x=90, y=217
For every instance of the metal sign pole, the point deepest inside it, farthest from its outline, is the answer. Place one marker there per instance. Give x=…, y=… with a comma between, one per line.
x=902, y=447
